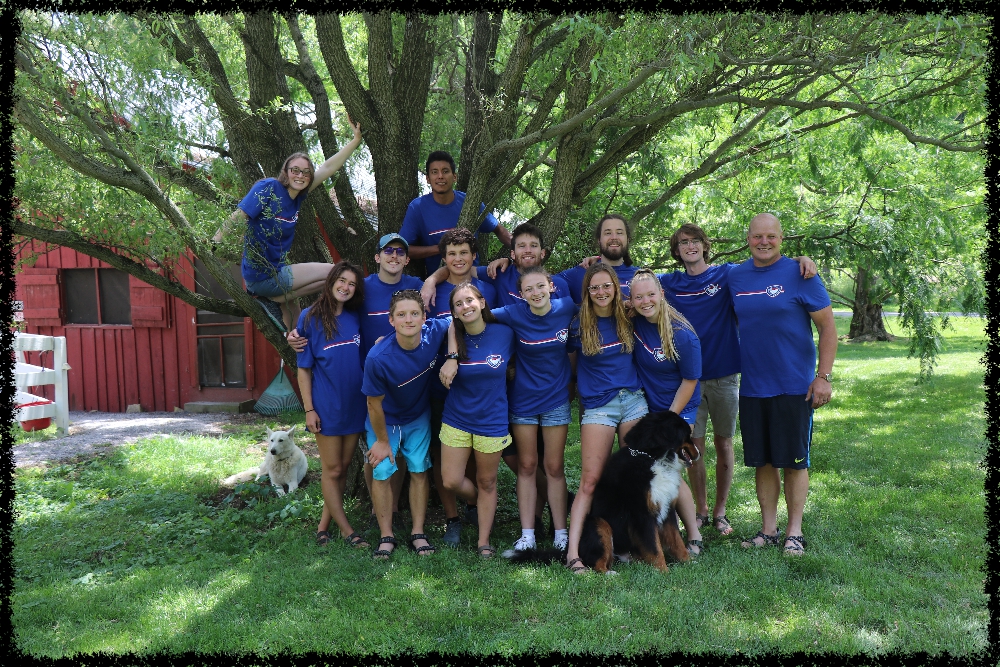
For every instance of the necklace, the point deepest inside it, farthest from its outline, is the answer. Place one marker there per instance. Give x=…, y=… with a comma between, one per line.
x=477, y=338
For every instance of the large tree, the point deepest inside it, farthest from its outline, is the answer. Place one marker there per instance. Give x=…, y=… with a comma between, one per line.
x=549, y=114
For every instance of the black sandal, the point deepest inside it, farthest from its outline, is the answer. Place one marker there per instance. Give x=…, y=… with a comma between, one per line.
x=426, y=547
x=486, y=551
x=383, y=554
x=769, y=541
x=322, y=537
x=797, y=546
x=355, y=540
x=695, y=543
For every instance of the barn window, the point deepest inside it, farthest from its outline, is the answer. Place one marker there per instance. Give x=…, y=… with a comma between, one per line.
x=221, y=357
x=96, y=296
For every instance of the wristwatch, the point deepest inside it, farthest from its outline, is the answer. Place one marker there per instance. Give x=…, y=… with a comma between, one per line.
x=452, y=355
x=826, y=376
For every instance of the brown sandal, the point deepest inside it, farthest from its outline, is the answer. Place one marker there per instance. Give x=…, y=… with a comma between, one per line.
x=576, y=566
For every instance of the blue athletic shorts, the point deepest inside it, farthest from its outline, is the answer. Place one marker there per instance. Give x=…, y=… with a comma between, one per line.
x=280, y=284
x=412, y=440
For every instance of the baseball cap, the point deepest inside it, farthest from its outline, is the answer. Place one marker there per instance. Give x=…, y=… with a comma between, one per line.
x=389, y=238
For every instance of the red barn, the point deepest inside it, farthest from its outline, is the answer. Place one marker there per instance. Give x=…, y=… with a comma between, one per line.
x=129, y=343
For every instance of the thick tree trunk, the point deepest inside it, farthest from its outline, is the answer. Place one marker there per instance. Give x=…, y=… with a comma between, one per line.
x=866, y=323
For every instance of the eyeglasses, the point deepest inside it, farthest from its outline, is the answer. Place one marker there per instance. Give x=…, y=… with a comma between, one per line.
x=397, y=251
x=295, y=171
x=607, y=287
x=687, y=242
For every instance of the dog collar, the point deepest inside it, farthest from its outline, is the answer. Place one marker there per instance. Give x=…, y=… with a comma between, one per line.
x=635, y=452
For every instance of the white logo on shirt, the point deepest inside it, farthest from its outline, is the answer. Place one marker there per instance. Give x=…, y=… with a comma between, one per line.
x=563, y=335
x=494, y=360
x=658, y=354
x=711, y=290
x=774, y=290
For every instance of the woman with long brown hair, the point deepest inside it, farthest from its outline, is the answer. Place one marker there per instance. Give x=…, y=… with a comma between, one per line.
x=330, y=375
x=270, y=212
x=611, y=397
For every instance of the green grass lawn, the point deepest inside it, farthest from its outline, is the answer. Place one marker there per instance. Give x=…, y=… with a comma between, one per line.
x=136, y=551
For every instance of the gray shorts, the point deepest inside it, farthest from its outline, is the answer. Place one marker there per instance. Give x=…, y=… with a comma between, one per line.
x=720, y=400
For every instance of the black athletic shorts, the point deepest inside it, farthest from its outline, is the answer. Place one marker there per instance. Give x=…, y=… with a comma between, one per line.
x=776, y=430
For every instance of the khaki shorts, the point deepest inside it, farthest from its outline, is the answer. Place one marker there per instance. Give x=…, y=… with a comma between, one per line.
x=453, y=437
x=720, y=400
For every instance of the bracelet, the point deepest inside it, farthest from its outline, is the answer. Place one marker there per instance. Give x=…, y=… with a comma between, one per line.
x=310, y=410
x=451, y=355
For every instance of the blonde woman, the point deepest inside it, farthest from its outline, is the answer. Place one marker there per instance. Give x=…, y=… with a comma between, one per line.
x=611, y=396
x=668, y=360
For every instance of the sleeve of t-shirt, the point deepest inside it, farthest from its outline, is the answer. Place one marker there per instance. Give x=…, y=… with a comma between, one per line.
x=490, y=223
x=562, y=287
x=410, y=282
x=689, y=351
x=437, y=330
x=253, y=203
x=503, y=315
x=373, y=383
x=485, y=277
x=304, y=359
x=574, y=344
x=412, y=223
x=813, y=294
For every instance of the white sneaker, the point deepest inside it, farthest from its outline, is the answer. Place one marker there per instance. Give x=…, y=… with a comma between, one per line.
x=522, y=544
x=561, y=543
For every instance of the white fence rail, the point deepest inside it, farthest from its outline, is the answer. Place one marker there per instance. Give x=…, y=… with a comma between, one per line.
x=28, y=375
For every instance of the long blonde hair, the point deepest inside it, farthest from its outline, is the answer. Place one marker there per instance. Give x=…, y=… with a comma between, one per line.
x=667, y=316
x=590, y=335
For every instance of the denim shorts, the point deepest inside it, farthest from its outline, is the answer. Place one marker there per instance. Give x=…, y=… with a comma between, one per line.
x=412, y=440
x=625, y=407
x=559, y=416
x=280, y=283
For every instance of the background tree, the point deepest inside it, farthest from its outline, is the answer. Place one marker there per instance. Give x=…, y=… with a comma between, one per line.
x=554, y=117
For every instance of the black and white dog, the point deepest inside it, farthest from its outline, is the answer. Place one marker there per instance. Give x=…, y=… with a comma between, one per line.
x=633, y=513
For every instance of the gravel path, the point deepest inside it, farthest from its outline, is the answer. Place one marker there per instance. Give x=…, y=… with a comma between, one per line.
x=91, y=431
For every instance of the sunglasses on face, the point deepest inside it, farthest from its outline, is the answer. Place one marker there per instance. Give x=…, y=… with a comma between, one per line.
x=299, y=172
x=594, y=289
x=398, y=252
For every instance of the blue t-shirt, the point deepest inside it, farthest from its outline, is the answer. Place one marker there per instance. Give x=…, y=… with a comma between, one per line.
x=773, y=303
x=600, y=377
x=574, y=278
x=426, y=220
x=477, y=400
x=375, y=310
x=707, y=304
x=336, y=373
x=661, y=376
x=404, y=376
x=272, y=217
x=507, y=289
x=444, y=290
x=441, y=309
x=541, y=380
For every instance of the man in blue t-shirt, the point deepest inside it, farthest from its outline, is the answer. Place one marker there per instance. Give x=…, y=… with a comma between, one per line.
x=613, y=236
x=431, y=215
x=781, y=384
x=398, y=373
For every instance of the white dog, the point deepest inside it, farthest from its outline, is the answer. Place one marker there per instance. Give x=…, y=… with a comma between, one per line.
x=284, y=463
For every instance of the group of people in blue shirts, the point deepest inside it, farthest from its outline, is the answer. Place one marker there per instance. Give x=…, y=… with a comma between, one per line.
x=423, y=368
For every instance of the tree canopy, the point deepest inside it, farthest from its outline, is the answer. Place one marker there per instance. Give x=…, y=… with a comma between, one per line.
x=859, y=129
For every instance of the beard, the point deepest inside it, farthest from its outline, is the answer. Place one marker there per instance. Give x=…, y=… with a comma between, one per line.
x=614, y=254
